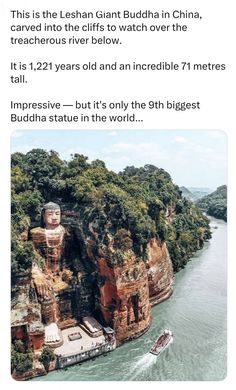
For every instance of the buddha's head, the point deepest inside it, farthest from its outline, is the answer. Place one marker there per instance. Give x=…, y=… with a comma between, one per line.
x=51, y=215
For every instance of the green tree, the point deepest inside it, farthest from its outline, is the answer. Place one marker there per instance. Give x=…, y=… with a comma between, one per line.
x=23, y=254
x=47, y=356
x=43, y=168
x=122, y=240
x=19, y=180
x=21, y=362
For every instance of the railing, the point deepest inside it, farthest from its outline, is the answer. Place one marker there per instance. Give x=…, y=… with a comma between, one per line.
x=66, y=360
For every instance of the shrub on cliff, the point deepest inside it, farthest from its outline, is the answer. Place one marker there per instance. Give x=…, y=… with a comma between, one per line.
x=122, y=240
x=22, y=256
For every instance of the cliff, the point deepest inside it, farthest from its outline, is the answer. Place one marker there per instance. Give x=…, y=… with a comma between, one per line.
x=107, y=248
x=160, y=272
x=129, y=290
x=111, y=281
x=124, y=297
x=120, y=284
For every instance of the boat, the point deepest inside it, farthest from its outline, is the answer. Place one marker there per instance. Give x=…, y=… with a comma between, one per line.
x=162, y=342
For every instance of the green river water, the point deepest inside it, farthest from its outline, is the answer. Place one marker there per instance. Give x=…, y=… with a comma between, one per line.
x=196, y=313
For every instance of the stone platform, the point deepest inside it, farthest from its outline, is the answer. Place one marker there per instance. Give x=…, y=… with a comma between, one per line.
x=77, y=346
x=84, y=348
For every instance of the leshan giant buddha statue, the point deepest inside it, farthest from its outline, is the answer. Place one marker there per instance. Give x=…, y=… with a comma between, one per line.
x=49, y=243
x=49, y=240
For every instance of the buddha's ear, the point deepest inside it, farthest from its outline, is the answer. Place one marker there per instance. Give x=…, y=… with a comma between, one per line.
x=42, y=223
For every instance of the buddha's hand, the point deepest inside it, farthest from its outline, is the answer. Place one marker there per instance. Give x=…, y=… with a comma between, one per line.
x=42, y=285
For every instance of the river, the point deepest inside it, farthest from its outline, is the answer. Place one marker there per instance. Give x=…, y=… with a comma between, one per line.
x=196, y=313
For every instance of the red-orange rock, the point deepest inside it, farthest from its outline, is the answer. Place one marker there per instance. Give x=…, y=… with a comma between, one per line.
x=124, y=297
x=50, y=245
x=36, y=341
x=160, y=272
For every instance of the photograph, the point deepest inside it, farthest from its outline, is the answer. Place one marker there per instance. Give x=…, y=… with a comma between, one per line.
x=119, y=255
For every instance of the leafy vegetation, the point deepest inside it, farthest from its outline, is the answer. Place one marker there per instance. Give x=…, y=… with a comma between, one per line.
x=47, y=356
x=215, y=203
x=21, y=357
x=132, y=206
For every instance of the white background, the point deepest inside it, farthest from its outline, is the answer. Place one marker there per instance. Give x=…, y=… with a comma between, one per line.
x=210, y=40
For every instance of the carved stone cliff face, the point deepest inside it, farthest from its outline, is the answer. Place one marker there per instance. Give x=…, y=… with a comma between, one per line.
x=160, y=272
x=124, y=297
x=128, y=290
x=97, y=277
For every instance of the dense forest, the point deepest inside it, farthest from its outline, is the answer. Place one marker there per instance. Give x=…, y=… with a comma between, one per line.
x=138, y=203
x=215, y=203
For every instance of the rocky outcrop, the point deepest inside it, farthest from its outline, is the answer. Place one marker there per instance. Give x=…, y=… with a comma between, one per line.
x=83, y=277
x=26, y=325
x=160, y=272
x=128, y=290
x=36, y=335
x=124, y=297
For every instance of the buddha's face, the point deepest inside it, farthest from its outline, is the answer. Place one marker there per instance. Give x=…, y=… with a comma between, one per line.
x=52, y=218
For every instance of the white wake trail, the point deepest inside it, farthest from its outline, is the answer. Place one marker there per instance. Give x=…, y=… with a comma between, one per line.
x=143, y=364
